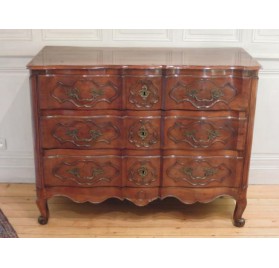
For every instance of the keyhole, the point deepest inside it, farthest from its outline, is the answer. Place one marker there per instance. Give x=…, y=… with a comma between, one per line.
x=142, y=171
x=142, y=133
x=144, y=92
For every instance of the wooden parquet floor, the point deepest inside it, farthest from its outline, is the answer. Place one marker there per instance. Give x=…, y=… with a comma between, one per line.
x=167, y=218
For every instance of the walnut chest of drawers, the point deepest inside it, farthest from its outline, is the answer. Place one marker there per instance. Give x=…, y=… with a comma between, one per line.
x=142, y=124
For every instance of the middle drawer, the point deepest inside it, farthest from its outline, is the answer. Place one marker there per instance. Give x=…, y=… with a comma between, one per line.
x=97, y=130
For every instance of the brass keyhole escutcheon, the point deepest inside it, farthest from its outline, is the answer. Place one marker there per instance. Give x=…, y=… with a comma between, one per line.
x=144, y=92
x=142, y=171
x=142, y=133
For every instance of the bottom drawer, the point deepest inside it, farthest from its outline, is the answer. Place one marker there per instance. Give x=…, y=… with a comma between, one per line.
x=141, y=196
x=202, y=171
x=88, y=169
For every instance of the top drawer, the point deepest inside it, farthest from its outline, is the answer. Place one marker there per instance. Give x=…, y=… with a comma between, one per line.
x=79, y=92
x=209, y=93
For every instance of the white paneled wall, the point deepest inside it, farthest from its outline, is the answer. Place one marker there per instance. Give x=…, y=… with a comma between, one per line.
x=17, y=47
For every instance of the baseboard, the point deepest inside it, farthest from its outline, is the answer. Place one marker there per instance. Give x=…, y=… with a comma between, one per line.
x=264, y=169
x=19, y=168
x=17, y=175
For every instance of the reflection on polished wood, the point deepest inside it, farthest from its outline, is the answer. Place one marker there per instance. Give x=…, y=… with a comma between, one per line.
x=168, y=218
x=69, y=57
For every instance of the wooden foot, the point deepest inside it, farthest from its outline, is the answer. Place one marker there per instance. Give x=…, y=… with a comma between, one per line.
x=43, y=207
x=239, y=222
x=42, y=220
x=240, y=206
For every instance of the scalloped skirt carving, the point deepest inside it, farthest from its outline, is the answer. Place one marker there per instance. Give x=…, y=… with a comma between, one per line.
x=81, y=195
x=141, y=196
x=193, y=195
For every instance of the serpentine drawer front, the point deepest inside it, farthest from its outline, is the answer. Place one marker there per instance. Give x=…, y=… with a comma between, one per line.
x=174, y=123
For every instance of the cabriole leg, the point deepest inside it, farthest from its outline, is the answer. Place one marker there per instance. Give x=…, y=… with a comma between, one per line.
x=240, y=206
x=43, y=207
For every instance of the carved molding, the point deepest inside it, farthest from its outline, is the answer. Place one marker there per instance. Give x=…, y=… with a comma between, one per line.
x=73, y=132
x=85, y=93
x=143, y=94
x=203, y=93
x=143, y=134
x=86, y=172
x=198, y=172
x=200, y=134
x=142, y=173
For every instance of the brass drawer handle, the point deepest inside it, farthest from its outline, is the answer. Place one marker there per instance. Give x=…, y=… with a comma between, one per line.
x=95, y=172
x=94, y=135
x=95, y=93
x=212, y=134
x=207, y=173
x=215, y=94
x=86, y=133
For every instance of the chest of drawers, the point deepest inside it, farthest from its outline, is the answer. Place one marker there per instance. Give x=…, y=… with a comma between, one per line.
x=142, y=124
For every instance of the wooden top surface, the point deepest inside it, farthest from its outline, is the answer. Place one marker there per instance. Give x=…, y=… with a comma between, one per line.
x=59, y=57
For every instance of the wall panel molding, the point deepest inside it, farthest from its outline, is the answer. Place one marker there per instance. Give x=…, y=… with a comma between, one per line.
x=143, y=35
x=71, y=35
x=269, y=66
x=223, y=35
x=14, y=64
x=265, y=36
x=15, y=35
